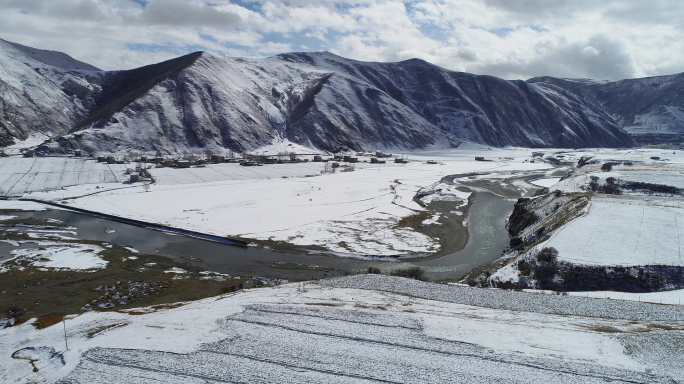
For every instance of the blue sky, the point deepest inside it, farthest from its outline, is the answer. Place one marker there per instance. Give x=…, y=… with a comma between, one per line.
x=513, y=39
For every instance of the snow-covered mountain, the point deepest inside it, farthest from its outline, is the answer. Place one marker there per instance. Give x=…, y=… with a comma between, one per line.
x=646, y=106
x=52, y=58
x=38, y=98
x=316, y=99
x=482, y=109
x=203, y=100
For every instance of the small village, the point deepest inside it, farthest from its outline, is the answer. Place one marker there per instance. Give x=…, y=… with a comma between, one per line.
x=342, y=162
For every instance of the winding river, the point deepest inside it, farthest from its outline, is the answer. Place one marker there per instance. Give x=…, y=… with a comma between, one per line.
x=486, y=221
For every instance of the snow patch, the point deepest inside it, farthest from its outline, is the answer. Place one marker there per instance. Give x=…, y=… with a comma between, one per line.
x=80, y=257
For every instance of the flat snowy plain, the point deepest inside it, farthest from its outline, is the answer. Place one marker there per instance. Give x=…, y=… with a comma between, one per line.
x=351, y=213
x=625, y=231
x=352, y=330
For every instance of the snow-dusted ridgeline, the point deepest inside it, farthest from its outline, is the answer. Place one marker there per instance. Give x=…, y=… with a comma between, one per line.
x=315, y=99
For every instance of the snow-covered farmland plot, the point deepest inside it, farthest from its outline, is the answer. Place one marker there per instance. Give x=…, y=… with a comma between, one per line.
x=654, y=173
x=627, y=166
x=624, y=231
x=20, y=175
x=233, y=171
x=342, y=335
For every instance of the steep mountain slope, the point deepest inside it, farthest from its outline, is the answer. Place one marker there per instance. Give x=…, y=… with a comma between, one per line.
x=52, y=58
x=196, y=101
x=483, y=109
x=315, y=99
x=652, y=105
x=36, y=98
x=208, y=101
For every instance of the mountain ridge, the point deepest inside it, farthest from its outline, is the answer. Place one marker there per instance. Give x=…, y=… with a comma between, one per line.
x=53, y=58
x=321, y=100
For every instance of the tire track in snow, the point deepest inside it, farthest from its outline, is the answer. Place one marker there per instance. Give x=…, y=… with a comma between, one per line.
x=435, y=351
x=319, y=370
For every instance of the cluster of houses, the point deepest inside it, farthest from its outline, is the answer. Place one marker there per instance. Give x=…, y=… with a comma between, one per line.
x=246, y=160
x=33, y=153
x=375, y=158
x=259, y=160
x=138, y=174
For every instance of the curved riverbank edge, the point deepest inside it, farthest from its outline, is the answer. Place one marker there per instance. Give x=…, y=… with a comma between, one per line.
x=454, y=232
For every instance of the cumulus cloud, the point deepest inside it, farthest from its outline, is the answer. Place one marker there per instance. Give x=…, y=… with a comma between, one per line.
x=181, y=13
x=599, y=57
x=609, y=39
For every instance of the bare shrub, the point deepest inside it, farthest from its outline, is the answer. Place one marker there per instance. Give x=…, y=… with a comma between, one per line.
x=412, y=273
x=547, y=255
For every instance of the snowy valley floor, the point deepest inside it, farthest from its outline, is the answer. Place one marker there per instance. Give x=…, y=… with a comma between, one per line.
x=366, y=328
x=352, y=213
x=358, y=329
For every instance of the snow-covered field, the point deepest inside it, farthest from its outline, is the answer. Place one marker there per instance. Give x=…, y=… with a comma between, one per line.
x=630, y=229
x=353, y=213
x=19, y=175
x=336, y=334
x=624, y=231
x=637, y=225
x=668, y=169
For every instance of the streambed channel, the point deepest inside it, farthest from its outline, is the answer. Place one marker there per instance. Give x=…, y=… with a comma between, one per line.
x=486, y=227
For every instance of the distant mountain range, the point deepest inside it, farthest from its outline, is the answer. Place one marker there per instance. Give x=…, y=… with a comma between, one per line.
x=319, y=100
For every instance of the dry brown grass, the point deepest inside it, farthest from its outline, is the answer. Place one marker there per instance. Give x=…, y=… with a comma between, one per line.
x=47, y=321
x=413, y=220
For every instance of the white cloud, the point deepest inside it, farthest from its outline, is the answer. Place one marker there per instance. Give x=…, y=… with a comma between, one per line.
x=510, y=39
x=589, y=52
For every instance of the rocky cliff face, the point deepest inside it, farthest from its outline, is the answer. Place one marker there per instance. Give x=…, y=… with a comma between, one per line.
x=315, y=99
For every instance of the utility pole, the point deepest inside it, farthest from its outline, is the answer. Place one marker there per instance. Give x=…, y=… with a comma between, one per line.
x=65, y=335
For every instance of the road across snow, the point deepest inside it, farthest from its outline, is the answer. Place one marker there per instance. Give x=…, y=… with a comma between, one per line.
x=513, y=301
